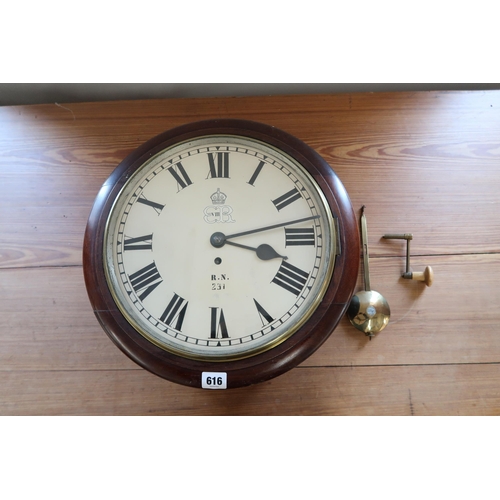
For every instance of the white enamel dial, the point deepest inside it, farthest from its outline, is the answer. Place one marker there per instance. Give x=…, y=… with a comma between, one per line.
x=219, y=248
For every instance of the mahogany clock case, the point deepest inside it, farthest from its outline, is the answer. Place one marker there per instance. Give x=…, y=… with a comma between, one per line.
x=267, y=364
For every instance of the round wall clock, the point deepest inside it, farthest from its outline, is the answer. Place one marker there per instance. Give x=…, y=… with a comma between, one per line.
x=221, y=253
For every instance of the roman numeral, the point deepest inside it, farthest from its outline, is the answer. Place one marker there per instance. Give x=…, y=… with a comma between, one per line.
x=156, y=206
x=286, y=199
x=219, y=165
x=145, y=280
x=290, y=278
x=172, y=312
x=218, y=328
x=299, y=236
x=264, y=315
x=139, y=243
x=256, y=173
x=180, y=175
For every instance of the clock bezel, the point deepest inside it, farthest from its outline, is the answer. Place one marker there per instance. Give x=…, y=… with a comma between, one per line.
x=264, y=365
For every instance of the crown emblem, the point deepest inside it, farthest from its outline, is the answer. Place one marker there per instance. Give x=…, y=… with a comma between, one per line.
x=218, y=198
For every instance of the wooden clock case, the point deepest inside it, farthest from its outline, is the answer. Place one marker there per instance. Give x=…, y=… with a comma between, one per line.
x=262, y=366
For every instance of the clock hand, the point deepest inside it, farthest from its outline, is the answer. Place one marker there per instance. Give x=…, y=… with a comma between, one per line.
x=266, y=228
x=264, y=252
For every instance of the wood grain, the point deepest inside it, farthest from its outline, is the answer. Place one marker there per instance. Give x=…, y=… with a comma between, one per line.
x=426, y=163
x=395, y=390
x=407, y=157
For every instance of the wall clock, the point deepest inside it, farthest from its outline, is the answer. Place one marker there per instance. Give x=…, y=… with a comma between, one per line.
x=221, y=253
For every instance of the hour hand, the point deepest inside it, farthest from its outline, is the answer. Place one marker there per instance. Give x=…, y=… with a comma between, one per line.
x=264, y=251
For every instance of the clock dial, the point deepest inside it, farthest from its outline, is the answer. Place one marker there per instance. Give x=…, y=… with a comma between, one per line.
x=219, y=248
x=221, y=253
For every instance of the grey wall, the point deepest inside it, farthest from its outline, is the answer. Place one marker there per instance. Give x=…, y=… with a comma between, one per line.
x=38, y=93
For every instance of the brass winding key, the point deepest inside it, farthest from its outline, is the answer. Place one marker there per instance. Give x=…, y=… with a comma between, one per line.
x=427, y=276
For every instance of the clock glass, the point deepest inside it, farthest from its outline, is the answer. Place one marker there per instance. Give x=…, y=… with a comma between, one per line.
x=219, y=248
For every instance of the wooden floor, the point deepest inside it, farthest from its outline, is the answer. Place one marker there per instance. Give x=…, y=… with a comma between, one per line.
x=426, y=163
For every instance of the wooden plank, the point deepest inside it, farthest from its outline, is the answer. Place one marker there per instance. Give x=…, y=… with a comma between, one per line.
x=402, y=390
x=424, y=163
x=47, y=322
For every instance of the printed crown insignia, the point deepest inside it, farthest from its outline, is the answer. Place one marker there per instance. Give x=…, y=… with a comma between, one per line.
x=218, y=198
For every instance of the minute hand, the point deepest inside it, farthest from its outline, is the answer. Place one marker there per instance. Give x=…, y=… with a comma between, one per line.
x=266, y=228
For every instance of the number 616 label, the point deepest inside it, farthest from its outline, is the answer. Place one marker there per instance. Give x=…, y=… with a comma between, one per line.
x=214, y=380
